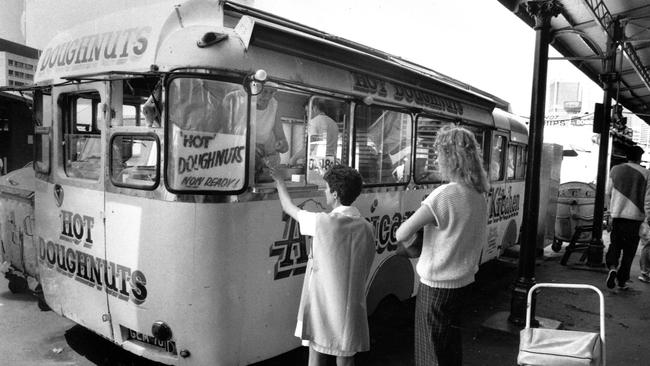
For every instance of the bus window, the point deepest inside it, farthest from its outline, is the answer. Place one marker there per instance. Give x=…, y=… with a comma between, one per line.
x=134, y=160
x=479, y=134
x=497, y=157
x=42, y=131
x=327, y=121
x=207, y=125
x=141, y=102
x=426, y=165
x=82, y=138
x=382, y=144
x=516, y=161
x=520, y=163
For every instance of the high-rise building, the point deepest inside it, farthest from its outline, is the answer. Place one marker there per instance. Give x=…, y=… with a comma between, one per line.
x=17, y=63
x=564, y=97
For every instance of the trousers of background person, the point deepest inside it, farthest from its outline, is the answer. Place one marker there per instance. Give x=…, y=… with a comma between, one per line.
x=624, y=237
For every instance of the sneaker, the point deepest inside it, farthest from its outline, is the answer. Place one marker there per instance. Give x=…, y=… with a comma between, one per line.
x=644, y=278
x=611, y=278
x=623, y=287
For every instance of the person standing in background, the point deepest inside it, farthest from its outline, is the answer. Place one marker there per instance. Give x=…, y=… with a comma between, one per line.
x=628, y=190
x=454, y=217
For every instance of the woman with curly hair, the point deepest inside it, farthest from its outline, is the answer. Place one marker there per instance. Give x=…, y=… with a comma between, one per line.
x=454, y=217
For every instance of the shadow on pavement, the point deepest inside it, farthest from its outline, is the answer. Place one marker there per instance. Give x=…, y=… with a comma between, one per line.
x=21, y=296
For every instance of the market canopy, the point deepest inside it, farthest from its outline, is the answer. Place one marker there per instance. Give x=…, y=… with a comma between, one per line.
x=581, y=33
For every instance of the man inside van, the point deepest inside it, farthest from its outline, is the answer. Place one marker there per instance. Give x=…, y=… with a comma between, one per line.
x=270, y=140
x=269, y=135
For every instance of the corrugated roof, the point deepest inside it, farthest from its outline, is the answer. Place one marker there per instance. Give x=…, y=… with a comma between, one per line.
x=582, y=31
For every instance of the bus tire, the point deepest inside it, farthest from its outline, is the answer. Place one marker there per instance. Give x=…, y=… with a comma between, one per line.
x=394, y=276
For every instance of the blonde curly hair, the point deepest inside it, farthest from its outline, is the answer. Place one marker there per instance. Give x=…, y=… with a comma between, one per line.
x=460, y=158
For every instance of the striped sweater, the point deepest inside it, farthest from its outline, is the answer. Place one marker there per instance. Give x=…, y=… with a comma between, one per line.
x=628, y=187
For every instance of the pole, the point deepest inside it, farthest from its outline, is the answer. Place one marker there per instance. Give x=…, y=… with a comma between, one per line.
x=542, y=11
x=608, y=78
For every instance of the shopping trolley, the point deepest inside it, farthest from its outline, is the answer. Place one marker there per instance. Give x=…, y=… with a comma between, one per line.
x=552, y=347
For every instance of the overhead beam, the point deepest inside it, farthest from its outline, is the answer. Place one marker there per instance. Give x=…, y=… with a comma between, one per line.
x=602, y=14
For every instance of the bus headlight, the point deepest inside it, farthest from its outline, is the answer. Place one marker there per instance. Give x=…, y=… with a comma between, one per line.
x=161, y=330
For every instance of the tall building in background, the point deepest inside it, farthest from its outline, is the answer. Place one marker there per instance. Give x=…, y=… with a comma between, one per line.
x=564, y=97
x=17, y=63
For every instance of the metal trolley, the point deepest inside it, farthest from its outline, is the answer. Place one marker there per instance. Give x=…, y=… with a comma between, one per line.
x=539, y=346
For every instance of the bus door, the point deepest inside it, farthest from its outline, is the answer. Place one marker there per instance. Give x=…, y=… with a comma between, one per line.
x=70, y=209
x=143, y=233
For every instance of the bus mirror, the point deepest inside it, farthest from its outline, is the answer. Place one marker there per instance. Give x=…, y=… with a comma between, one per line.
x=255, y=82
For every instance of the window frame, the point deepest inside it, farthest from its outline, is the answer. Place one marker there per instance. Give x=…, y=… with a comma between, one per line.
x=66, y=101
x=353, y=141
x=237, y=80
x=521, y=150
x=504, y=157
x=148, y=135
x=443, y=121
x=342, y=133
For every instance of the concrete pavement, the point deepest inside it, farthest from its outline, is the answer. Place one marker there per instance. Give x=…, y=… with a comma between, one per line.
x=31, y=337
x=626, y=316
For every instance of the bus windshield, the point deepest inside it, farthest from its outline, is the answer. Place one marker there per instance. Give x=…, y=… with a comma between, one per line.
x=207, y=120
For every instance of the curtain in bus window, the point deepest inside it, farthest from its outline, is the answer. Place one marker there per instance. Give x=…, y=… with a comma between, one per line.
x=512, y=158
x=383, y=145
x=208, y=123
x=497, y=170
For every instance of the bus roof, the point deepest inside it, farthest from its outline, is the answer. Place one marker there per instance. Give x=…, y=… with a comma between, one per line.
x=138, y=40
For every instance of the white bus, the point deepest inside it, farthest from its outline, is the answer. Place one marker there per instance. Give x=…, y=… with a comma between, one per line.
x=156, y=225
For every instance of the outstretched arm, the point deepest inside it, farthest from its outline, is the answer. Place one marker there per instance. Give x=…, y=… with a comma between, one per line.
x=285, y=200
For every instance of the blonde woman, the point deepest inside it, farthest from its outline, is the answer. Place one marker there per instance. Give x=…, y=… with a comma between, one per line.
x=454, y=217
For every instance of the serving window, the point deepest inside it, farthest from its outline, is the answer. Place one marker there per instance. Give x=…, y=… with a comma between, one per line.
x=382, y=147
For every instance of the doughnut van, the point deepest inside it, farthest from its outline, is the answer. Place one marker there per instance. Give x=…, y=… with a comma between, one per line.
x=156, y=225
